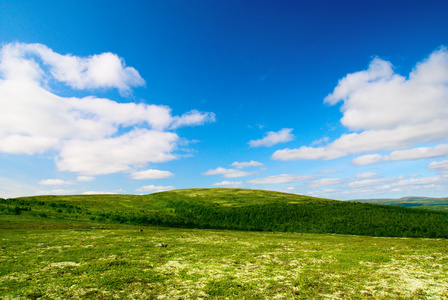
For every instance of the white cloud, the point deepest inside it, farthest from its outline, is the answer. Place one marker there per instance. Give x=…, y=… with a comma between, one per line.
x=99, y=193
x=85, y=178
x=370, y=182
x=323, y=193
x=155, y=189
x=388, y=111
x=191, y=118
x=394, y=182
x=439, y=166
x=320, y=141
x=368, y=175
x=151, y=174
x=54, y=182
x=87, y=135
x=105, y=70
x=241, y=165
x=327, y=171
x=228, y=173
x=409, y=154
x=367, y=159
x=226, y=183
x=418, y=181
x=325, y=182
x=272, y=138
x=56, y=192
x=112, y=155
x=277, y=179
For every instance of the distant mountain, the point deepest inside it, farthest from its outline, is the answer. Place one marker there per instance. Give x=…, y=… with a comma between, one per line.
x=413, y=202
x=235, y=209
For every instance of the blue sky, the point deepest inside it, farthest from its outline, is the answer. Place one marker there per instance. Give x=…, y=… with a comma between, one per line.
x=336, y=99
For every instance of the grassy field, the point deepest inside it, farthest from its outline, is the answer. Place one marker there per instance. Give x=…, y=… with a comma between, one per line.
x=90, y=247
x=60, y=259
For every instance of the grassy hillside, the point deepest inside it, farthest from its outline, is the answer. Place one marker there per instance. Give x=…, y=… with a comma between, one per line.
x=415, y=202
x=236, y=209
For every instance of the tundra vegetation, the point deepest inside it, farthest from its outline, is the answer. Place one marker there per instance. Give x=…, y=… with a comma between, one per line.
x=281, y=246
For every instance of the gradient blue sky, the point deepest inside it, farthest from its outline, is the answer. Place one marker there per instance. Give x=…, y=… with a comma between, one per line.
x=336, y=99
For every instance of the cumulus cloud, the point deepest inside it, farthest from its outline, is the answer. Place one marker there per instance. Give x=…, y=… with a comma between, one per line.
x=277, y=179
x=228, y=173
x=386, y=111
x=54, y=182
x=155, y=188
x=241, y=165
x=226, y=183
x=88, y=135
x=272, y=138
x=151, y=174
x=116, y=154
x=409, y=154
x=104, y=70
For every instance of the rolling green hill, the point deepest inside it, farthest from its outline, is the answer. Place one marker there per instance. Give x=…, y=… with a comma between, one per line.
x=234, y=209
x=416, y=202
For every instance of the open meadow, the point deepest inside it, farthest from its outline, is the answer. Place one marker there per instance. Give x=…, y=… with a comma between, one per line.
x=60, y=259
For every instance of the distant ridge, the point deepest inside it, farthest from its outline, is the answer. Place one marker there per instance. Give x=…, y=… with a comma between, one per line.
x=236, y=209
x=411, y=201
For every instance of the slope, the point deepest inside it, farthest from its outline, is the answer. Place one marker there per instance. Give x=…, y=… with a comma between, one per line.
x=235, y=209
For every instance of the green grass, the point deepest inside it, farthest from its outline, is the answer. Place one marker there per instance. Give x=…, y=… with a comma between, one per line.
x=236, y=209
x=88, y=260
x=86, y=247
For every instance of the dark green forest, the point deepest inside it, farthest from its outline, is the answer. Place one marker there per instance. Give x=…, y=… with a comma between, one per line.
x=235, y=209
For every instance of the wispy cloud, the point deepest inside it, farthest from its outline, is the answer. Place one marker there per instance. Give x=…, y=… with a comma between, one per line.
x=272, y=138
x=154, y=188
x=54, y=182
x=368, y=175
x=226, y=183
x=85, y=178
x=277, y=179
x=320, y=141
x=241, y=165
x=440, y=166
x=151, y=174
x=228, y=173
x=99, y=193
x=409, y=154
x=325, y=182
x=370, y=182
